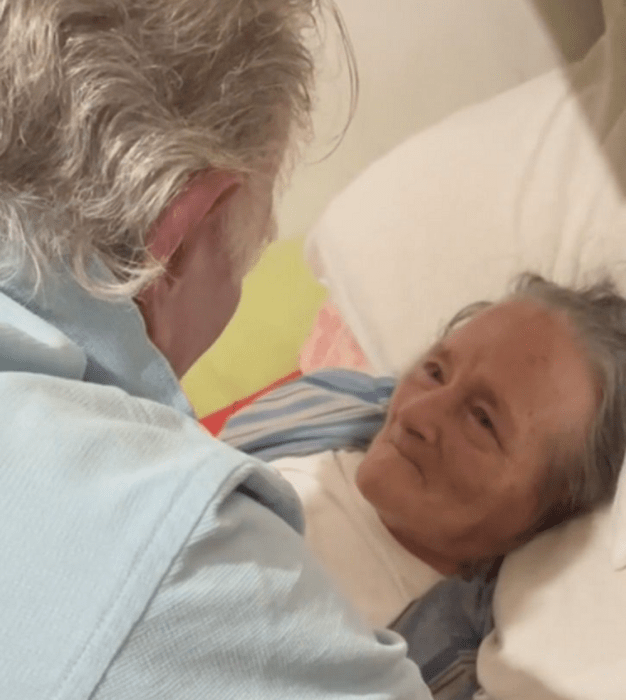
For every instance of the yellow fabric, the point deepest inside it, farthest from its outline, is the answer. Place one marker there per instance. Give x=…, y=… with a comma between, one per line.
x=261, y=344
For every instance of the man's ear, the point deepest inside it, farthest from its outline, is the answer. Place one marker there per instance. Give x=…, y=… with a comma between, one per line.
x=186, y=309
x=205, y=193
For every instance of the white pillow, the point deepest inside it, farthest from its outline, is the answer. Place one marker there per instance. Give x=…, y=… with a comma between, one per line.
x=559, y=619
x=522, y=181
x=559, y=629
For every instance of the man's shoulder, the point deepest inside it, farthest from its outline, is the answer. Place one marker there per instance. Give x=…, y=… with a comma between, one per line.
x=100, y=490
x=79, y=433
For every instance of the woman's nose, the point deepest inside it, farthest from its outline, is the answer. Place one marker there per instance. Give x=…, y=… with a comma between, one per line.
x=422, y=418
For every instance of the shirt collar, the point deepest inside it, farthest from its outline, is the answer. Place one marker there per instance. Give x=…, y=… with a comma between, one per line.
x=112, y=335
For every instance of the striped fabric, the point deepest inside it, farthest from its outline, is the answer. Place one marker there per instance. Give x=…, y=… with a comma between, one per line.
x=325, y=410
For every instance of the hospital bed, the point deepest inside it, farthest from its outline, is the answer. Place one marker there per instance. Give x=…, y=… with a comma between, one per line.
x=525, y=171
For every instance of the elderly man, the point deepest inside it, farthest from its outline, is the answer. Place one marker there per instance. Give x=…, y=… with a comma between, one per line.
x=139, y=143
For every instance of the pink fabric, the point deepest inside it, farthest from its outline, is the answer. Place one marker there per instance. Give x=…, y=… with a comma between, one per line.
x=331, y=344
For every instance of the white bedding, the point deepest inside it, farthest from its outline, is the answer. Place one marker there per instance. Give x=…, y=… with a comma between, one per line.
x=374, y=571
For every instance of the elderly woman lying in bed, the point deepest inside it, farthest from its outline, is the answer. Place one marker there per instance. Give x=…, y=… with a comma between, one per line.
x=513, y=422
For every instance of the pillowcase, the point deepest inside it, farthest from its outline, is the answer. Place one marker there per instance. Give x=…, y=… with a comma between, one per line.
x=558, y=612
x=532, y=179
x=558, y=626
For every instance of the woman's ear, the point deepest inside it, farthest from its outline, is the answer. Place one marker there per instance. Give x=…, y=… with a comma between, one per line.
x=205, y=193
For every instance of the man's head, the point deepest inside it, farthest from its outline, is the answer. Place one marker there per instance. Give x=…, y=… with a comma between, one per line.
x=490, y=436
x=112, y=110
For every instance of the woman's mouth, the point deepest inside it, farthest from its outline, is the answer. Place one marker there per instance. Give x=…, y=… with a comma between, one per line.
x=401, y=441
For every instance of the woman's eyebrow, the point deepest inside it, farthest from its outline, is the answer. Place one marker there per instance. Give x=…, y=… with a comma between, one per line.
x=442, y=351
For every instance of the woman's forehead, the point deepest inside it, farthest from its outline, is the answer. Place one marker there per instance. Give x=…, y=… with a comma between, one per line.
x=517, y=324
x=531, y=356
x=522, y=319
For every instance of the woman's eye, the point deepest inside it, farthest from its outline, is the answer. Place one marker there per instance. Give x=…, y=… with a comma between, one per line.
x=483, y=418
x=433, y=370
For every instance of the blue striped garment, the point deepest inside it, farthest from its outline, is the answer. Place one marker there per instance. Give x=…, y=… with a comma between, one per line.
x=328, y=409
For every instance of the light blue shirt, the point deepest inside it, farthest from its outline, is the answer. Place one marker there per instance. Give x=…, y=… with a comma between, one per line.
x=141, y=557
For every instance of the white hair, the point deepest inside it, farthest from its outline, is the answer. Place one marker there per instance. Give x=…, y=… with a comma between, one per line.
x=108, y=106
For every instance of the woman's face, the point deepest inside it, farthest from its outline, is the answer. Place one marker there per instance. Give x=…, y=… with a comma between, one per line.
x=454, y=473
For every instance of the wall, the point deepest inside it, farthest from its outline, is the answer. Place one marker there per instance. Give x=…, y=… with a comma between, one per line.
x=420, y=60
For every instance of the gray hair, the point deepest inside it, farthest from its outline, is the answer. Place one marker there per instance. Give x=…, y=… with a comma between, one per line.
x=108, y=106
x=582, y=474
